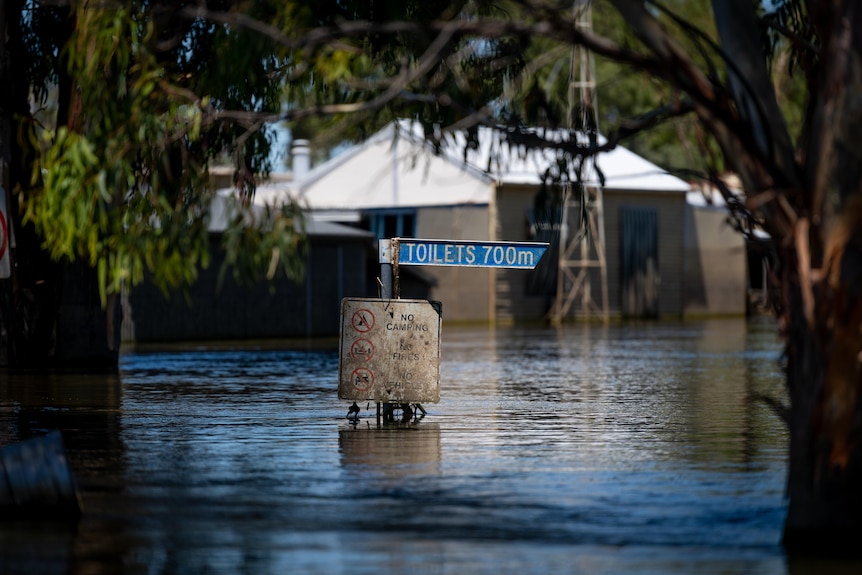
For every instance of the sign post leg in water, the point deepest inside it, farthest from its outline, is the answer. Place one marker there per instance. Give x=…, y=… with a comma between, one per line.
x=386, y=290
x=389, y=288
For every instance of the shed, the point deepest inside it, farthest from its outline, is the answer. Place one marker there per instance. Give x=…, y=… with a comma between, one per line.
x=337, y=264
x=717, y=261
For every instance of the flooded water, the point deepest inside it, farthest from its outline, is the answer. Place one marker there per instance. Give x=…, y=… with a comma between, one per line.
x=588, y=449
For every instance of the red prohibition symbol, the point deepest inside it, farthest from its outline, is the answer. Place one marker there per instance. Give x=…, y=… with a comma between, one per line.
x=362, y=378
x=362, y=321
x=362, y=349
x=3, y=235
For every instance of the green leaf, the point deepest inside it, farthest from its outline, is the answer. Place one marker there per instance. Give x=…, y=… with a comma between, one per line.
x=102, y=275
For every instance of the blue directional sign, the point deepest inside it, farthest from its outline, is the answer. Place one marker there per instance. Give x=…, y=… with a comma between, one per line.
x=462, y=253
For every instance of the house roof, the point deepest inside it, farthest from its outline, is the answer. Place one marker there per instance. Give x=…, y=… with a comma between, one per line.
x=621, y=168
x=397, y=168
x=223, y=209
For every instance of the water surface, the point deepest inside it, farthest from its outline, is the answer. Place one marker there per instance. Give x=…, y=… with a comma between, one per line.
x=585, y=449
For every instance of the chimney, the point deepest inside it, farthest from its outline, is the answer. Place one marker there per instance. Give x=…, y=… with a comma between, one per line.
x=301, y=159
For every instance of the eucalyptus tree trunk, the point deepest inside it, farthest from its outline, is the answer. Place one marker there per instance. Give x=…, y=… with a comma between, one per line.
x=812, y=206
x=823, y=379
x=823, y=272
x=809, y=199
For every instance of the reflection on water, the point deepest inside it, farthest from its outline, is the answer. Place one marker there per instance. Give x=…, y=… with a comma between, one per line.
x=588, y=449
x=394, y=451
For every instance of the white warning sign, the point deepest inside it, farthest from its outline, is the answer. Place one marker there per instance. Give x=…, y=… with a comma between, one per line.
x=390, y=350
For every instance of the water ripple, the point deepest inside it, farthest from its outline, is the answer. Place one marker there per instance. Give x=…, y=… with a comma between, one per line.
x=626, y=449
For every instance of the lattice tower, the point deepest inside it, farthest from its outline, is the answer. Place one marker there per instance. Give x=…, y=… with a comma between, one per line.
x=582, y=228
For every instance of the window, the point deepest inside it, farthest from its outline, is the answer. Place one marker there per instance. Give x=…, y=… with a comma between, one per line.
x=393, y=223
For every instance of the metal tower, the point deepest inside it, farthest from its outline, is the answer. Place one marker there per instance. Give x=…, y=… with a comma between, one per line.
x=582, y=227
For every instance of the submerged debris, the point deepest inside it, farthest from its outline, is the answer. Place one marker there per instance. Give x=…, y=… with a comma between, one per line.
x=36, y=481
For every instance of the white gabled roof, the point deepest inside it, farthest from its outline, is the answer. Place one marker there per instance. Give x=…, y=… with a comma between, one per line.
x=622, y=169
x=387, y=171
